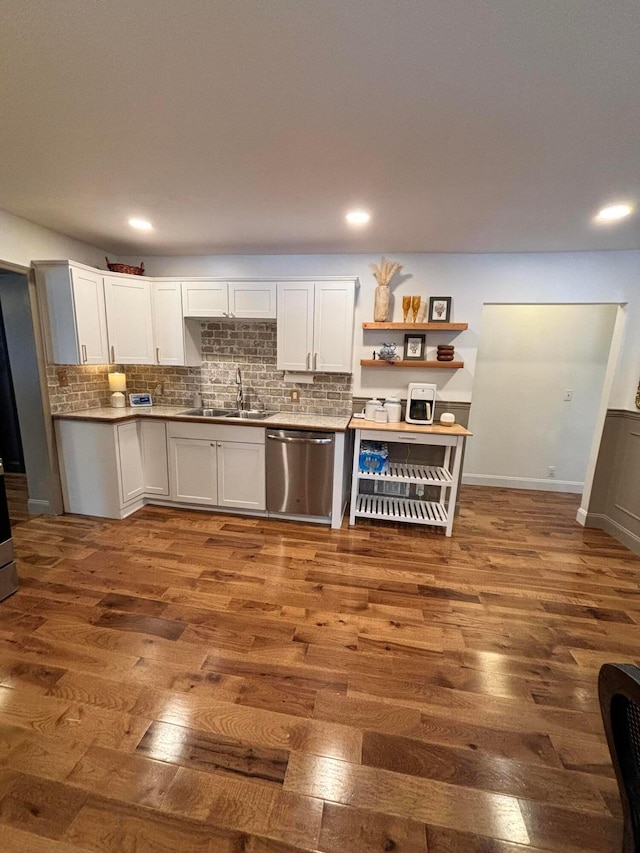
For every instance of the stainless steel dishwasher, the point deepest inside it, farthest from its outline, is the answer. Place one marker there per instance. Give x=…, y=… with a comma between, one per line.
x=299, y=472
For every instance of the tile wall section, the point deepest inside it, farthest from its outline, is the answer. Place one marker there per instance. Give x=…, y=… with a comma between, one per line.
x=250, y=345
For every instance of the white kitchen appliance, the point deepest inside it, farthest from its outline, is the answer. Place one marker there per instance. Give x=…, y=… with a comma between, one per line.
x=421, y=403
x=136, y=400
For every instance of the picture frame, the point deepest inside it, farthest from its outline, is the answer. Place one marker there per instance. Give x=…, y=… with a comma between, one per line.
x=414, y=347
x=439, y=309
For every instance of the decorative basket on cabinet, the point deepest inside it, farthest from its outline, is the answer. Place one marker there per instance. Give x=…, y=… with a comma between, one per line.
x=126, y=268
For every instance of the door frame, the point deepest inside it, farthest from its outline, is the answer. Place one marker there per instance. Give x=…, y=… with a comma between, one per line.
x=56, y=505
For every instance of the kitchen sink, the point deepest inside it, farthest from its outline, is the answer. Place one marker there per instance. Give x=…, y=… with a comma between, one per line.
x=209, y=413
x=251, y=414
x=245, y=414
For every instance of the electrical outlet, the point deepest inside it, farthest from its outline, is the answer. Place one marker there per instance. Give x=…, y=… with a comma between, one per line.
x=552, y=471
x=63, y=378
x=294, y=394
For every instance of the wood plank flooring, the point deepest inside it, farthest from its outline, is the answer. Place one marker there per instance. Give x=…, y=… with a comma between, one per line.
x=17, y=498
x=183, y=681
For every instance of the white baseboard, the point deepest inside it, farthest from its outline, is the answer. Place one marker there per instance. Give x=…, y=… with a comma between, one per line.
x=581, y=517
x=36, y=507
x=626, y=537
x=522, y=483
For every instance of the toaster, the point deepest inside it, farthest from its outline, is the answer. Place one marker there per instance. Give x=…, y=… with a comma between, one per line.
x=421, y=403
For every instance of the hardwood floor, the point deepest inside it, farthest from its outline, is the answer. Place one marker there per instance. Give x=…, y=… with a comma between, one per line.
x=17, y=498
x=182, y=681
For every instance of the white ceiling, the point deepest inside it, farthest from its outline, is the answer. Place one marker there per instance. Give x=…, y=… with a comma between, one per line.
x=254, y=125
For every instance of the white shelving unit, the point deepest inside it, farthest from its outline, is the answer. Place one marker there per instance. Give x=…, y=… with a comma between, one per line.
x=412, y=510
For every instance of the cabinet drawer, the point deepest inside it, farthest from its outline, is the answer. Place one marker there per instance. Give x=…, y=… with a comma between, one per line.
x=408, y=437
x=216, y=432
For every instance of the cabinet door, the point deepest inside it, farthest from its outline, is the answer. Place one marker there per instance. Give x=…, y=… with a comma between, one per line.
x=168, y=322
x=333, y=326
x=90, y=316
x=205, y=299
x=153, y=440
x=295, y=325
x=252, y=299
x=192, y=470
x=241, y=475
x=130, y=461
x=129, y=320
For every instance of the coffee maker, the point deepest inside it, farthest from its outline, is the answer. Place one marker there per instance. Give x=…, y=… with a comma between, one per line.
x=421, y=403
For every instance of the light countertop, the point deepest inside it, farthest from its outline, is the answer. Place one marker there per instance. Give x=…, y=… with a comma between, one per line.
x=403, y=426
x=283, y=420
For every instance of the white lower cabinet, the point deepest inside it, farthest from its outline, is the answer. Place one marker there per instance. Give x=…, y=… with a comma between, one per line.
x=110, y=470
x=241, y=475
x=153, y=440
x=142, y=457
x=217, y=464
x=130, y=461
x=192, y=470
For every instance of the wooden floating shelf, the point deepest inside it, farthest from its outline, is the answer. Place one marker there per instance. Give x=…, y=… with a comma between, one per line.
x=379, y=362
x=418, y=327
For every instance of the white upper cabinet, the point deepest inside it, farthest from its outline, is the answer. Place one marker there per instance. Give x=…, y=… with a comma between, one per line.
x=129, y=323
x=333, y=326
x=175, y=340
x=249, y=300
x=295, y=325
x=205, y=299
x=75, y=323
x=252, y=300
x=315, y=326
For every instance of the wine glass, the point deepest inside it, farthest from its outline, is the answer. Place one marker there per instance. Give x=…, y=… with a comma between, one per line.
x=415, y=306
x=406, y=305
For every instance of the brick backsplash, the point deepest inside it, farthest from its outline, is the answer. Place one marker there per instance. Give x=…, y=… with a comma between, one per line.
x=250, y=345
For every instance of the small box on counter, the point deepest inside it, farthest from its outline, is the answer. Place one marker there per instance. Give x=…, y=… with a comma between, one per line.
x=374, y=457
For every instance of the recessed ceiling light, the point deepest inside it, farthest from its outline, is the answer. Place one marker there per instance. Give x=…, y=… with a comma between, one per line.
x=358, y=217
x=140, y=224
x=613, y=212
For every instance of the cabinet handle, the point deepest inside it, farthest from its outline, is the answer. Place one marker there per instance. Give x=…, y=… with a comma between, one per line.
x=219, y=444
x=113, y=356
x=158, y=354
x=308, y=365
x=315, y=361
x=225, y=313
x=84, y=353
x=231, y=314
x=212, y=443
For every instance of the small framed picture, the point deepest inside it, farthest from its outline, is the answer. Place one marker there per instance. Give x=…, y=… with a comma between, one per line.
x=414, y=346
x=439, y=309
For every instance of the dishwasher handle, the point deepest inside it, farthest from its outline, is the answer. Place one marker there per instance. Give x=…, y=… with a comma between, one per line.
x=289, y=439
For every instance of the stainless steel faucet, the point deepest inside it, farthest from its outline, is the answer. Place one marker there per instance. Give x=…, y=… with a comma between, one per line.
x=239, y=394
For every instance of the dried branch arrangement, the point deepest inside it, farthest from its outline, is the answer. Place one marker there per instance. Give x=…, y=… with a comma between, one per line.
x=386, y=271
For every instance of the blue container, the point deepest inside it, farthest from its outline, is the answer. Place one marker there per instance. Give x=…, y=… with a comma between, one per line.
x=374, y=457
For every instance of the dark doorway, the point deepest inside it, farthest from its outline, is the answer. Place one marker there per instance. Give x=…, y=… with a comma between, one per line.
x=10, y=443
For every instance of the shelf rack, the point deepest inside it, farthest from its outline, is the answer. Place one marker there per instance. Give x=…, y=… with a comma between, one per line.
x=417, y=327
x=414, y=327
x=401, y=509
x=379, y=362
x=413, y=510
